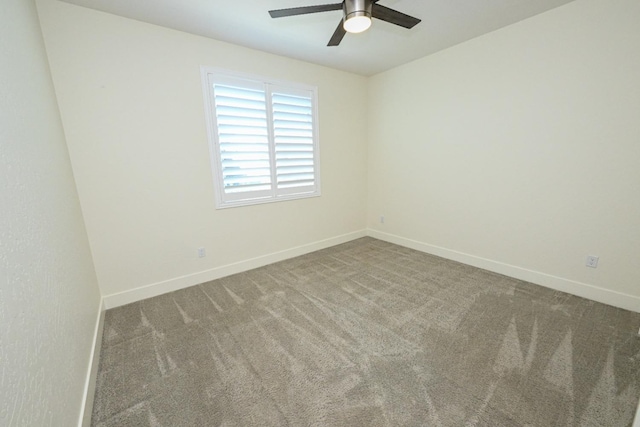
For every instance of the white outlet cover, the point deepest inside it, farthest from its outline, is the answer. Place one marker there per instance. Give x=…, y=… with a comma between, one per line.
x=592, y=261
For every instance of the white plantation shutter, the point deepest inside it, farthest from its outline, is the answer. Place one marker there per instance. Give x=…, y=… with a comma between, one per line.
x=263, y=139
x=243, y=138
x=294, y=142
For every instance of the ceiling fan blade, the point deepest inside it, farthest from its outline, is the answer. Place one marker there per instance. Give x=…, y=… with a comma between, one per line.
x=281, y=13
x=338, y=35
x=393, y=16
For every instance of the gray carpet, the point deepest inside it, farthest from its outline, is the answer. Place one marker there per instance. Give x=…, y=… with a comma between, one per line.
x=368, y=334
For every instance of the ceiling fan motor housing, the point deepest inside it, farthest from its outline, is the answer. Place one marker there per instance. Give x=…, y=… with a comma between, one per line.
x=353, y=8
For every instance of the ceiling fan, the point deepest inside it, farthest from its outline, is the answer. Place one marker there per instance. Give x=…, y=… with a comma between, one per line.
x=356, y=17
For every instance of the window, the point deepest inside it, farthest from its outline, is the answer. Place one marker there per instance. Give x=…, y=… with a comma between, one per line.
x=263, y=137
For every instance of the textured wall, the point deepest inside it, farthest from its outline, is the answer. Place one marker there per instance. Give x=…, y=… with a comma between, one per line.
x=48, y=292
x=519, y=147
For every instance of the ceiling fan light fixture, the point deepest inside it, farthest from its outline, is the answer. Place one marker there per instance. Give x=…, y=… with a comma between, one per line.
x=357, y=24
x=357, y=15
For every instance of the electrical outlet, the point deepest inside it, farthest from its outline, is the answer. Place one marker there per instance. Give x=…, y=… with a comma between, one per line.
x=202, y=253
x=592, y=261
x=381, y=219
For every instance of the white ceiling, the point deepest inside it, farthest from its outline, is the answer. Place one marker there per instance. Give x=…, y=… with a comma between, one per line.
x=247, y=23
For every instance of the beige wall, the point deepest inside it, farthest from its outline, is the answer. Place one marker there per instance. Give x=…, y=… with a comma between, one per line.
x=519, y=151
x=131, y=102
x=516, y=151
x=49, y=297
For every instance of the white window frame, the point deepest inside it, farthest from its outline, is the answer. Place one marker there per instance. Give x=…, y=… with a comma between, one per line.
x=227, y=200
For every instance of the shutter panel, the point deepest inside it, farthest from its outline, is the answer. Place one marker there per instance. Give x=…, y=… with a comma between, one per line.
x=293, y=140
x=243, y=138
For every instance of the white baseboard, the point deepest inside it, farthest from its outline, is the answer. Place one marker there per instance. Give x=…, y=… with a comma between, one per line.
x=154, y=289
x=594, y=293
x=92, y=372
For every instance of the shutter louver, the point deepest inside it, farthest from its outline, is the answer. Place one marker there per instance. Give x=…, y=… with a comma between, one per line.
x=294, y=141
x=243, y=138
